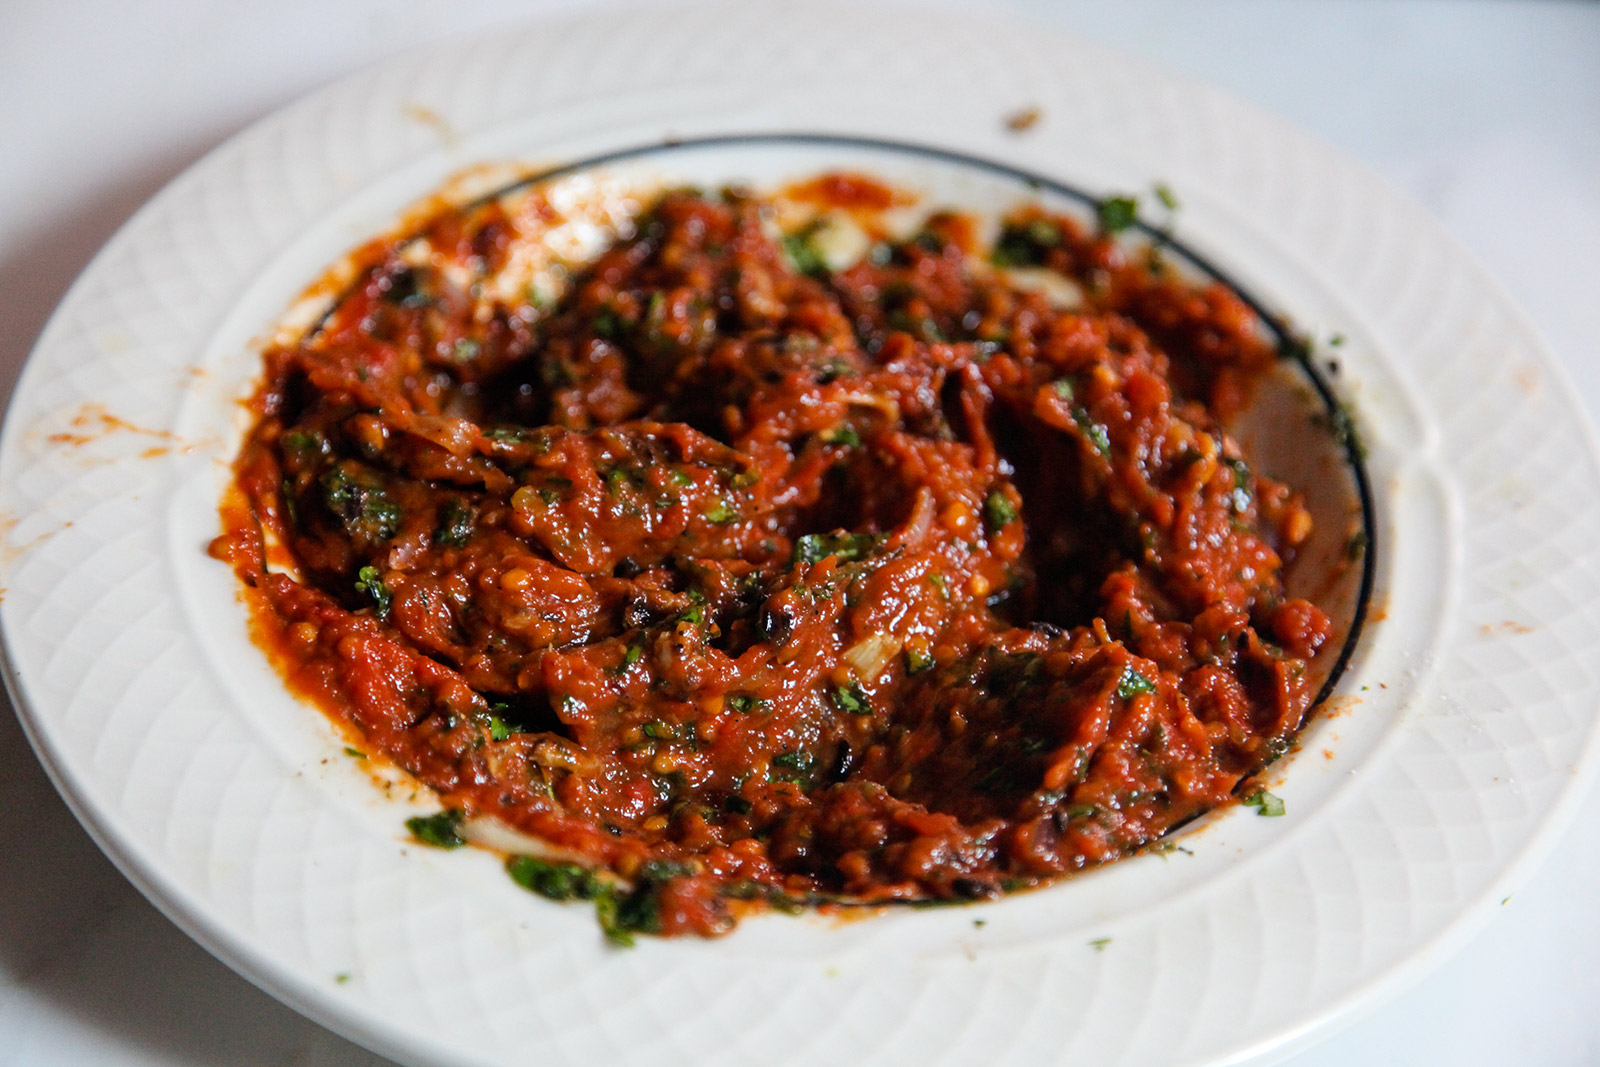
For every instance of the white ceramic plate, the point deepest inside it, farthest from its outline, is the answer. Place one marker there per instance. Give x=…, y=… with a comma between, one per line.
x=1463, y=733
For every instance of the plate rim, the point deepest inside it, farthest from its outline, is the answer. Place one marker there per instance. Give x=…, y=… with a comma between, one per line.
x=1549, y=828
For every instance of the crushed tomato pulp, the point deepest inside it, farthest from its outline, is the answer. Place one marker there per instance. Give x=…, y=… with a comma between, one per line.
x=772, y=562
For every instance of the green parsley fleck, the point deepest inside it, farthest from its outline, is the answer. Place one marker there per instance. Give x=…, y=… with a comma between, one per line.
x=1133, y=684
x=555, y=881
x=998, y=511
x=1096, y=433
x=842, y=434
x=1025, y=244
x=814, y=548
x=440, y=831
x=363, y=507
x=796, y=765
x=1117, y=213
x=1265, y=803
x=456, y=521
x=850, y=698
x=801, y=252
x=1099, y=943
x=370, y=582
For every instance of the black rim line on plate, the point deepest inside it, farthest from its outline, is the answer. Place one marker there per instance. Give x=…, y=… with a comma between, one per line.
x=1289, y=344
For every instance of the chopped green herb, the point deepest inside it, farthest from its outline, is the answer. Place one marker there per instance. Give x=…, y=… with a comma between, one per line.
x=834, y=368
x=1239, y=502
x=440, y=831
x=302, y=441
x=370, y=582
x=998, y=511
x=842, y=434
x=1168, y=198
x=1095, y=432
x=623, y=915
x=1099, y=943
x=814, y=548
x=354, y=753
x=557, y=881
x=1293, y=347
x=796, y=764
x=498, y=729
x=1133, y=684
x=360, y=504
x=1063, y=388
x=456, y=521
x=720, y=514
x=680, y=477
x=917, y=660
x=516, y=435
x=1341, y=425
x=850, y=698
x=1025, y=244
x=1117, y=213
x=801, y=252
x=1265, y=804
x=290, y=508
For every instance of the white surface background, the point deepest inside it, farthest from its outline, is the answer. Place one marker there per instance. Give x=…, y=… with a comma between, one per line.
x=1485, y=111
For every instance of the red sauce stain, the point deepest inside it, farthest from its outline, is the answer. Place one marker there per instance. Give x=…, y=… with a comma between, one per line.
x=10, y=550
x=1339, y=704
x=433, y=120
x=848, y=191
x=93, y=423
x=1377, y=608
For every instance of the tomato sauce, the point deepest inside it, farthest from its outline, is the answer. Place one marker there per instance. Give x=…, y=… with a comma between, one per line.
x=747, y=572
